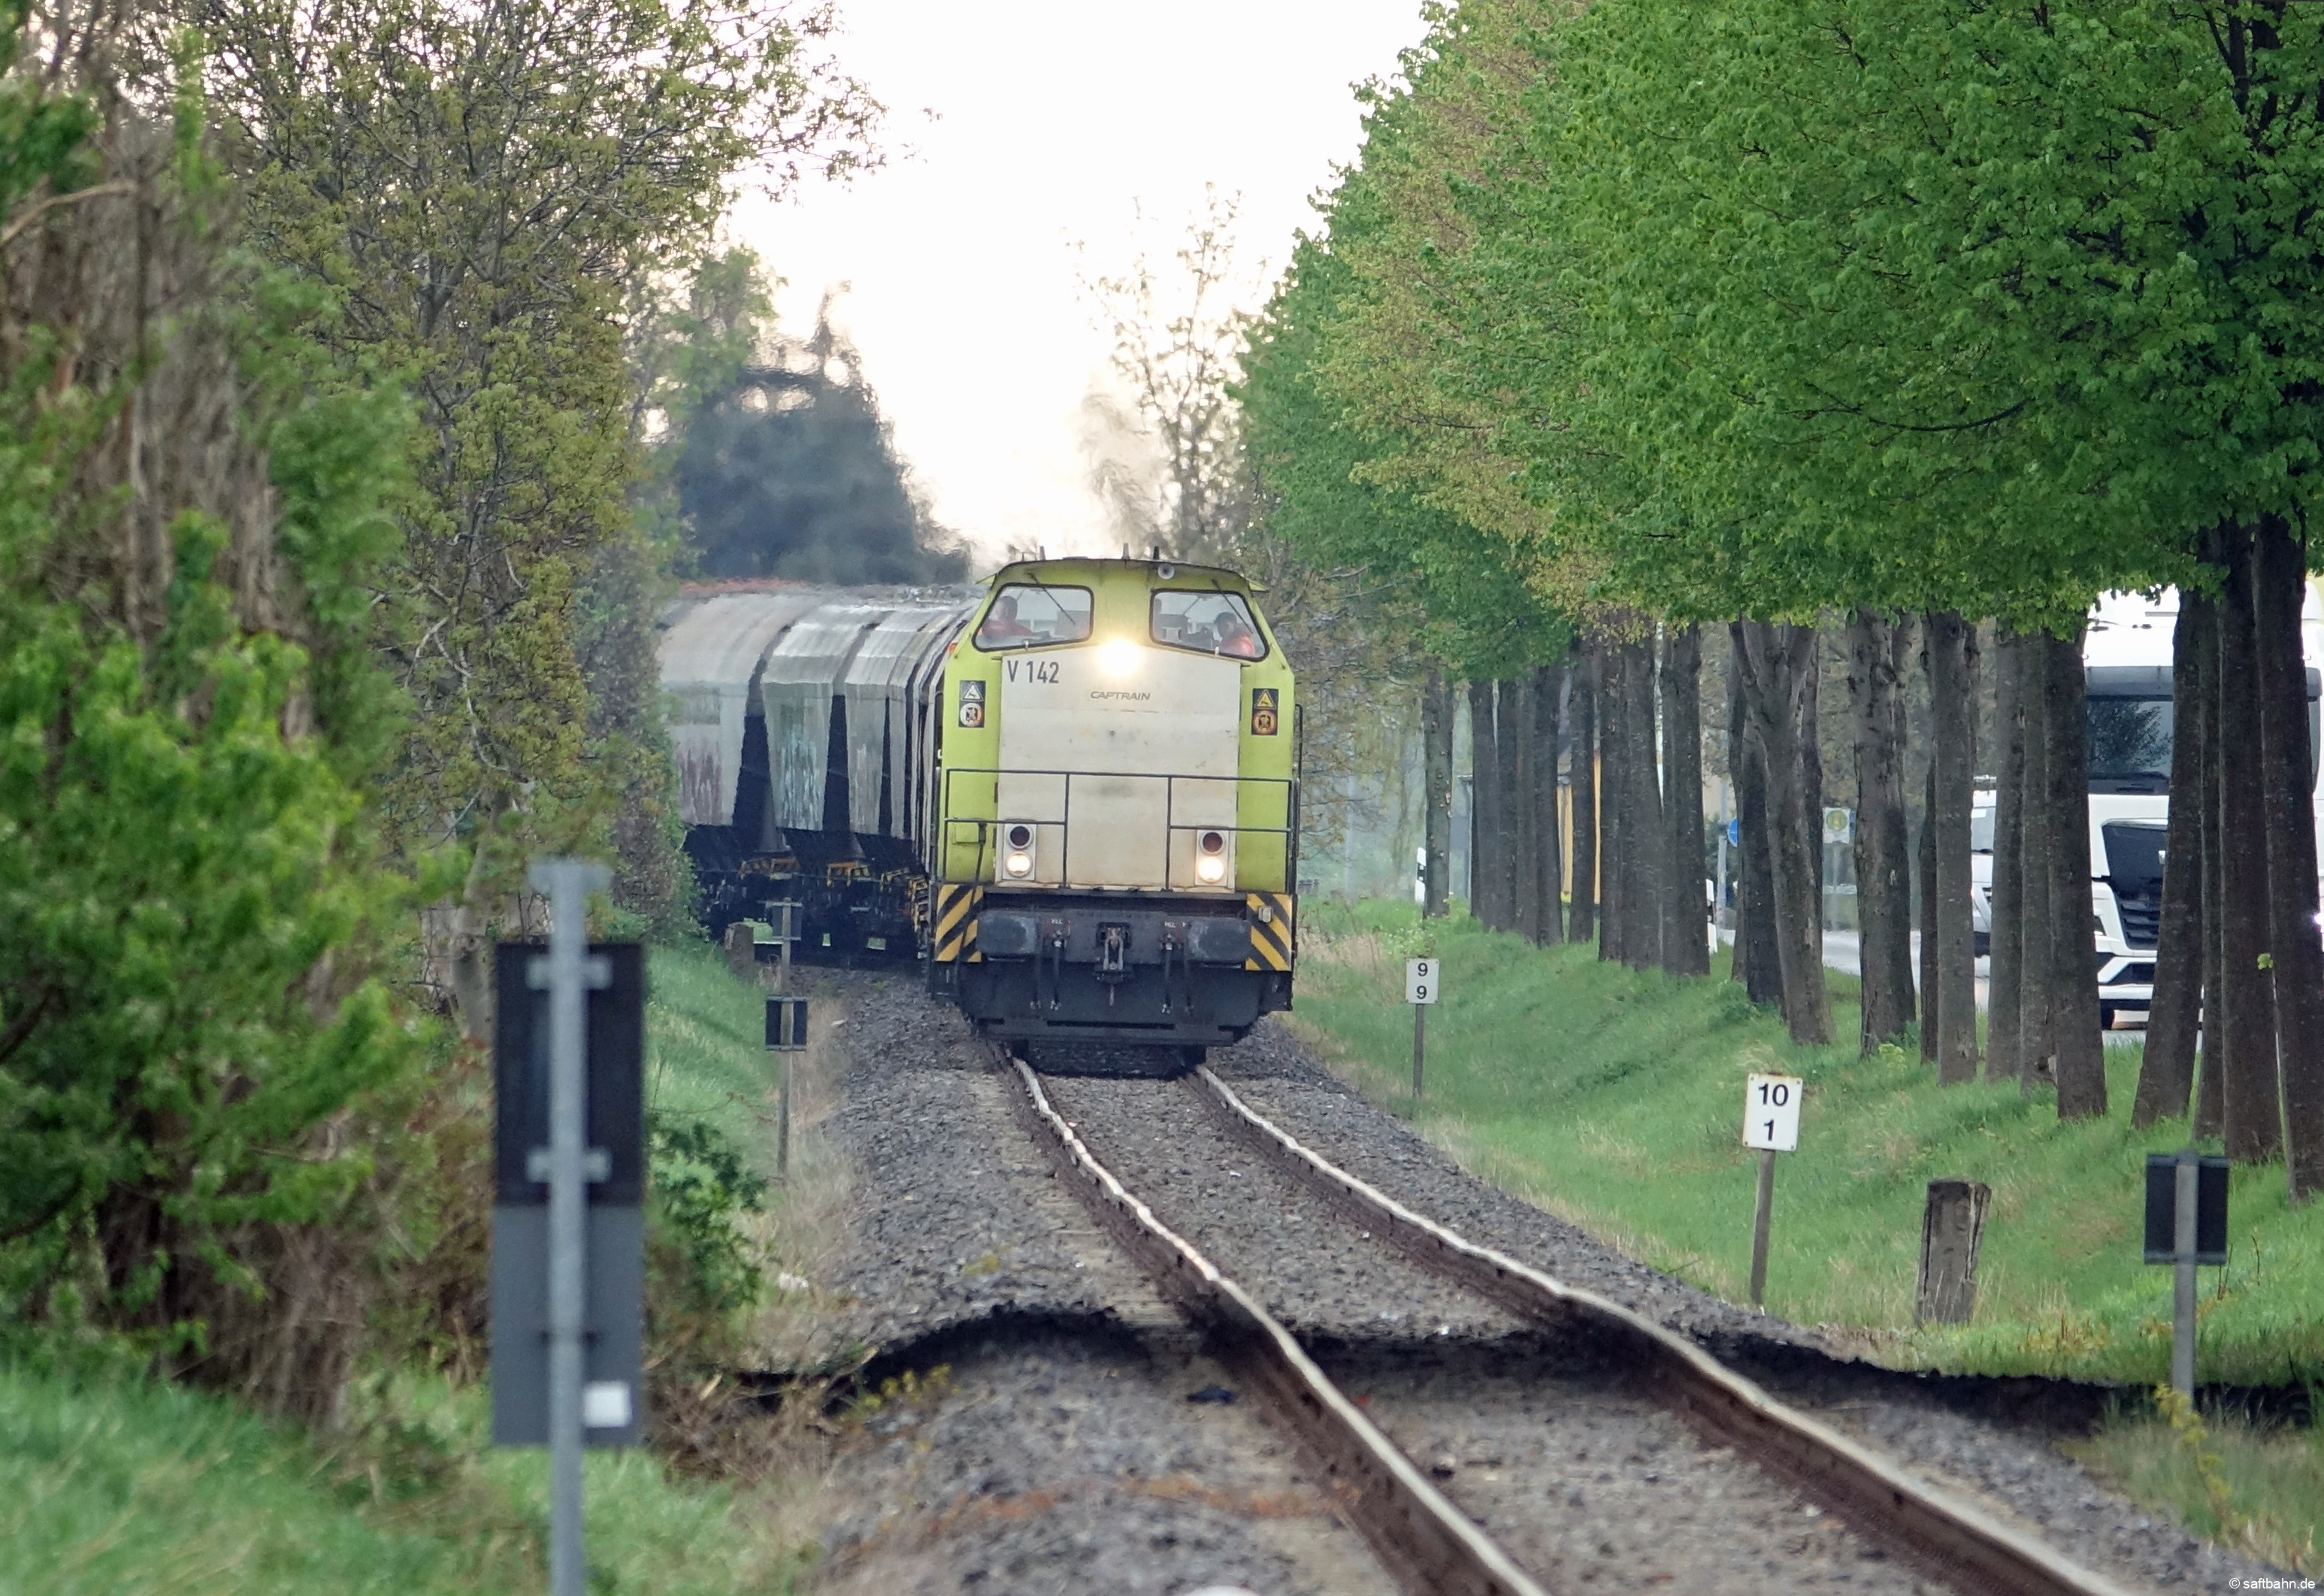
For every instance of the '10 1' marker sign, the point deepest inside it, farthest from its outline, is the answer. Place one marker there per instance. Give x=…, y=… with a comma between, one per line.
x=1771, y=1113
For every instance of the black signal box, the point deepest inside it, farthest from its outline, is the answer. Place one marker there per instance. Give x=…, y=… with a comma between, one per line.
x=2162, y=1203
x=786, y=1024
x=615, y=1119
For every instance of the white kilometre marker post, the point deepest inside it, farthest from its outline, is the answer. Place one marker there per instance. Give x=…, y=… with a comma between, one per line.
x=1771, y=1124
x=1419, y=991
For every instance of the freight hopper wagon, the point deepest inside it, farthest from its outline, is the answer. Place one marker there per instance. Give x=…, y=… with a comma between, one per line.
x=801, y=722
x=1078, y=793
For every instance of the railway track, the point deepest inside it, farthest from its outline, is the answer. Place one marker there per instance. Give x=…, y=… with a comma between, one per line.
x=1489, y=1430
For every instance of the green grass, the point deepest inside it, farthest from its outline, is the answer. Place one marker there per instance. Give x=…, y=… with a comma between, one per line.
x=117, y=1485
x=110, y=1482
x=1616, y=1098
x=2260, y=1490
x=706, y=1043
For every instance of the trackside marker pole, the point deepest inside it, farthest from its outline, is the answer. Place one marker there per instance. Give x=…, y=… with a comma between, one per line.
x=1770, y=1125
x=1759, y=1224
x=567, y=972
x=1420, y=990
x=787, y=928
x=1419, y=1042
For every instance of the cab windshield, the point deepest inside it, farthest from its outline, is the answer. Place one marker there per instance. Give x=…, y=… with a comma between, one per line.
x=1213, y=622
x=2130, y=743
x=1028, y=615
x=2131, y=722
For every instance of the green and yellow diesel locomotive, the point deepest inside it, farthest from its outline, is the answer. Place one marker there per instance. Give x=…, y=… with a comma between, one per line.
x=1075, y=795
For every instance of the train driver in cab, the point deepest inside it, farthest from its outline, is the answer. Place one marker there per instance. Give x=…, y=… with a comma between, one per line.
x=1001, y=625
x=1237, y=641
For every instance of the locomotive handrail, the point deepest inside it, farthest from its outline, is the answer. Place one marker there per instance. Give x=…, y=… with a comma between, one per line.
x=1063, y=820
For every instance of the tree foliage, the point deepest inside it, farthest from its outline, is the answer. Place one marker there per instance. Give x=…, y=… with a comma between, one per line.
x=475, y=190
x=198, y=1059
x=785, y=466
x=1374, y=461
x=1769, y=310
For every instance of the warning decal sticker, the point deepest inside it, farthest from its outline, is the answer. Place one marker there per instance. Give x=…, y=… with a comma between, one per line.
x=1263, y=717
x=972, y=703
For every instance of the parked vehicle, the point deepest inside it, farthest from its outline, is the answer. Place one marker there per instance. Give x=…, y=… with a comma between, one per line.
x=2126, y=660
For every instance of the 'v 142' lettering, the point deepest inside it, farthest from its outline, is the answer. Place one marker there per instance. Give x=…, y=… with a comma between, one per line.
x=1034, y=670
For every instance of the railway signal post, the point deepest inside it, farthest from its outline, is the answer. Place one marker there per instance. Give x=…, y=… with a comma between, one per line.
x=2186, y=1225
x=1420, y=984
x=568, y=1160
x=786, y=1038
x=1770, y=1125
x=787, y=931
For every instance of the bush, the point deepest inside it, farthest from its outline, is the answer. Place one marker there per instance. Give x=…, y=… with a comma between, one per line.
x=200, y=1066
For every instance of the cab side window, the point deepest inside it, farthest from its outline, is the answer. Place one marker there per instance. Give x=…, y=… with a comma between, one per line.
x=1027, y=615
x=1212, y=623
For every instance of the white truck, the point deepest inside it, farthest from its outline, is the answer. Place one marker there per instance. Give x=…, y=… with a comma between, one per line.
x=2127, y=655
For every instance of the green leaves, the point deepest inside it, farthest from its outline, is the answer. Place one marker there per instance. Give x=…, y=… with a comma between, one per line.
x=470, y=194
x=1774, y=306
x=197, y=1054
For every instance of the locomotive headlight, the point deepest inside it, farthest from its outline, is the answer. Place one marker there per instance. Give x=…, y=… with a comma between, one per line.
x=1118, y=658
x=1016, y=849
x=1210, y=858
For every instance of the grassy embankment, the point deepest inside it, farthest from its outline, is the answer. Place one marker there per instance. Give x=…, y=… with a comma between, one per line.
x=1615, y=1098
x=111, y=1483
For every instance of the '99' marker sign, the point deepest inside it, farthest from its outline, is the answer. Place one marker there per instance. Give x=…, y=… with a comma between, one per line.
x=1771, y=1113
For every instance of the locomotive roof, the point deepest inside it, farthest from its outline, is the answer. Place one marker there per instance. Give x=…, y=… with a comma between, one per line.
x=1090, y=567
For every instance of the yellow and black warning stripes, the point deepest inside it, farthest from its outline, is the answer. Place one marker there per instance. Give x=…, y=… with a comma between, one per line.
x=1270, y=930
x=956, y=938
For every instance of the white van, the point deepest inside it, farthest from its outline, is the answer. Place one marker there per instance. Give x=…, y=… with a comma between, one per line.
x=2127, y=657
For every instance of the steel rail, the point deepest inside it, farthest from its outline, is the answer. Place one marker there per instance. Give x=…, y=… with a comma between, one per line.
x=1427, y=1543
x=1874, y=1497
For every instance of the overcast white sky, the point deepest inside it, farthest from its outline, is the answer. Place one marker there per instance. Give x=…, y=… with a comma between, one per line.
x=1052, y=119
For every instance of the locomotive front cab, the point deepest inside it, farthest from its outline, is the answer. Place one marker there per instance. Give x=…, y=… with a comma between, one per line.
x=1116, y=824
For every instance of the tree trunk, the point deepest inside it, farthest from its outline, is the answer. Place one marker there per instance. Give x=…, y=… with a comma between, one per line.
x=1739, y=773
x=1952, y=691
x=1807, y=740
x=1548, y=701
x=2251, y=1095
x=2005, y=1040
x=1924, y=867
x=1754, y=902
x=2038, y=949
x=1614, y=814
x=1884, y=899
x=1436, y=760
x=1581, y=924
x=2280, y=583
x=2166, y=1070
x=1779, y=683
x=1756, y=965
x=1513, y=719
x=2210, y=1061
x=1646, y=832
x=1687, y=934
x=1488, y=865
x=2074, y=1001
